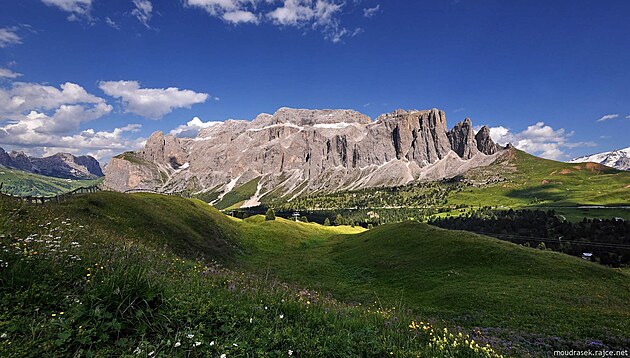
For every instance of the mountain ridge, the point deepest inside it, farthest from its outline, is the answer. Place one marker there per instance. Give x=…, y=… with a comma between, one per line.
x=59, y=165
x=296, y=151
x=618, y=159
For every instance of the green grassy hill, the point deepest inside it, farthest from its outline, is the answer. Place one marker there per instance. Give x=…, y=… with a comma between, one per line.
x=17, y=182
x=110, y=274
x=114, y=274
x=516, y=180
x=517, y=293
x=531, y=181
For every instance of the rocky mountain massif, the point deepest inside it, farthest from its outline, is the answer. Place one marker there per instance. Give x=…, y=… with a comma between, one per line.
x=618, y=159
x=297, y=151
x=60, y=165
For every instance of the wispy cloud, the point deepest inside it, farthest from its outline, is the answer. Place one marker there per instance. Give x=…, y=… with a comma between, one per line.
x=9, y=36
x=369, y=12
x=7, y=73
x=143, y=11
x=76, y=8
x=111, y=23
x=628, y=116
x=320, y=15
x=607, y=117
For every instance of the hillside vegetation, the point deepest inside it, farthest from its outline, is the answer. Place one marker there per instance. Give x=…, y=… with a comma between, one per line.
x=516, y=180
x=115, y=274
x=17, y=182
x=110, y=274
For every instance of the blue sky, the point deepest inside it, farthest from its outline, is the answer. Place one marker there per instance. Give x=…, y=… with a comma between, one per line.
x=93, y=76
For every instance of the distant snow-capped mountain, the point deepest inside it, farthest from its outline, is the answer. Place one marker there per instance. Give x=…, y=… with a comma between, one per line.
x=618, y=159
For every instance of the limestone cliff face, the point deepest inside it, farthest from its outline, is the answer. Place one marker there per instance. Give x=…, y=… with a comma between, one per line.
x=462, y=139
x=485, y=143
x=296, y=151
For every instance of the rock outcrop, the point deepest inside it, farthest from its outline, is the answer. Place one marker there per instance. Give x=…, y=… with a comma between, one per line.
x=60, y=165
x=484, y=143
x=462, y=139
x=297, y=151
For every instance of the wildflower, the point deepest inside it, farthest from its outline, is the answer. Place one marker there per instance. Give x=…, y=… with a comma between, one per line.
x=62, y=312
x=54, y=315
x=212, y=343
x=290, y=352
x=151, y=353
x=190, y=335
x=197, y=344
x=223, y=355
x=235, y=345
x=137, y=350
x=251, y=320
x=4, y=335
x=178, y=344
x=281, y=316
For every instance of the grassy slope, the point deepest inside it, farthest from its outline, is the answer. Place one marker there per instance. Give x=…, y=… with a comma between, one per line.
x=238, y=195
x=17, y=182
x=468, y=279
x=189, y=227
x=93, y=277
x=534, y=181
x=464, y=279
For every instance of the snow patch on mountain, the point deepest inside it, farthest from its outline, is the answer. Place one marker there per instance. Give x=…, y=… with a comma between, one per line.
x=618, y=159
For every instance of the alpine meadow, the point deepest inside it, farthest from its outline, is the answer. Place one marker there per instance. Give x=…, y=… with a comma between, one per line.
x=314, y=178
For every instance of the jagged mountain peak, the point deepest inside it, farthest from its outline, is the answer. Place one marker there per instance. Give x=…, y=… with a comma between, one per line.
x=297, y=151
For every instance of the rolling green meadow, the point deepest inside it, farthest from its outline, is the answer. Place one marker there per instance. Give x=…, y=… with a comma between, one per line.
x=151, y=275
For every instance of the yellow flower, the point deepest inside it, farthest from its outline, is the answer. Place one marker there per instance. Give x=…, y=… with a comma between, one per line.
x=61, y=312
x=54, y=315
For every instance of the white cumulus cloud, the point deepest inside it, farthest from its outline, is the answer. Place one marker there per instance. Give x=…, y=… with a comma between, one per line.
x=42, y=119
x=152, y=103
x=538, y=139
x=240, y=16
x=192, y=128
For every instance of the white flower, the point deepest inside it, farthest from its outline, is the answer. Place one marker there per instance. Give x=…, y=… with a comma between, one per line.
x=137, y=350
x=235, y=345
x=197, y=344
x=178, y=344
x=290, y=352
x=281, y=316
x=251, y=320
x=4, y=335
x=190, y=336
x=151, y=353
x=212, y=343
x=265, y=307
x=223, y=355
